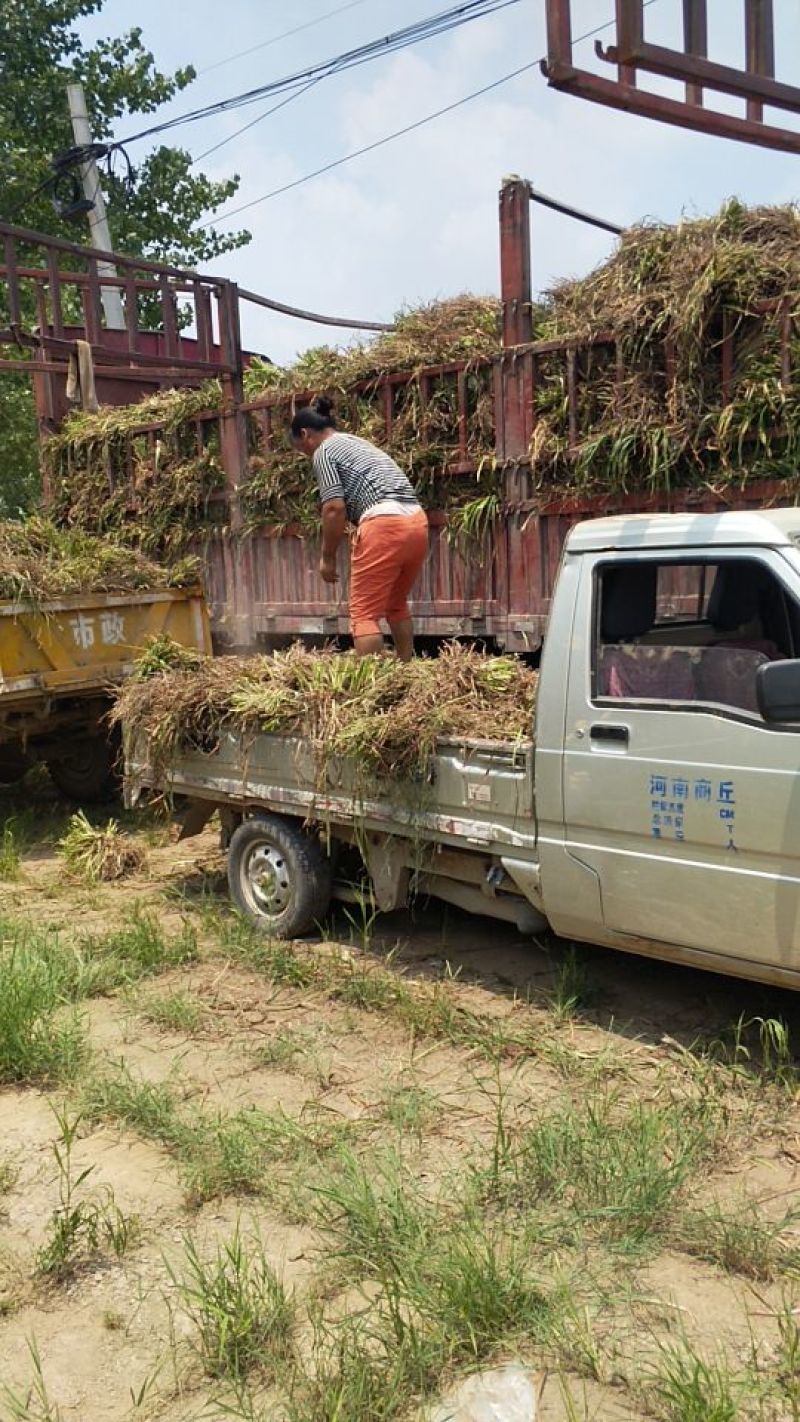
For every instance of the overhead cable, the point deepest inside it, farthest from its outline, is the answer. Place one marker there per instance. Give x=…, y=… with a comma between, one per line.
x=410, y=128
x=286, y=34
x=434, y=25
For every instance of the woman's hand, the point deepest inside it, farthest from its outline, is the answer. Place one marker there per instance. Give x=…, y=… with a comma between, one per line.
x=327, y=569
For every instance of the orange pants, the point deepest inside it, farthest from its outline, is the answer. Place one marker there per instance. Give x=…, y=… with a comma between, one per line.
x=388, y=552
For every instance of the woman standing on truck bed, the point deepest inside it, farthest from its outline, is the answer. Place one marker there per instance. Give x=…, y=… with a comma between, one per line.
x=361, y=485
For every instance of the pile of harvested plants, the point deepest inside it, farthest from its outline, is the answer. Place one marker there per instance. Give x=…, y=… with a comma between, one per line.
x=656, y=408
x=39, y=561
x=382, y=714
x=109, y=472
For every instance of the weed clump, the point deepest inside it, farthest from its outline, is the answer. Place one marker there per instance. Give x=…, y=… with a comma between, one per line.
x=40, y=1037
x=84, y=1222
x=242, y=1315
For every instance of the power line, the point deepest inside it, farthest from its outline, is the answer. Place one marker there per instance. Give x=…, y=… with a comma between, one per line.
x=434, y=25
x=282, y=105
x=23, y=202
x=410, y=128
x=370, y=147
x=287, y=34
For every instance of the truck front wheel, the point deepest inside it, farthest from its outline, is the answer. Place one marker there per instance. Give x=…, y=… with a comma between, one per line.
x=278, y=876
x=86, y=771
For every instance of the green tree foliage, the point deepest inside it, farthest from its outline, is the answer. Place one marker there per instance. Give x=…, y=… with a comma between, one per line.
x=154, y=214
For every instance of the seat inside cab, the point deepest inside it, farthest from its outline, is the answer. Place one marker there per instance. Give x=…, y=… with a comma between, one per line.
x=682, y=631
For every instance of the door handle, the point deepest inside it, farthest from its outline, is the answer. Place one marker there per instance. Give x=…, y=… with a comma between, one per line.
x=603, y=732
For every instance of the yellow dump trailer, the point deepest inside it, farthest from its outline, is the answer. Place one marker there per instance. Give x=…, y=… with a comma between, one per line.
x=59, y=662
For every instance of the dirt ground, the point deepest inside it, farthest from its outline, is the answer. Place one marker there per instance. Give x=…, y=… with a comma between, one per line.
x=676, y=1300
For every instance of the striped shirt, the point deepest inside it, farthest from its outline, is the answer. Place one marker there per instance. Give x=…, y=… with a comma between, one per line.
x=354, y=470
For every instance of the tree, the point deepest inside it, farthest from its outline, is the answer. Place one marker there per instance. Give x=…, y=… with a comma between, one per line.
x=153, y=212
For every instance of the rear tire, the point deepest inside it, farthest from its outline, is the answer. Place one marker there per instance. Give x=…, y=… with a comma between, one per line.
x=87, y=770
x=13, y=765
x=279, y=877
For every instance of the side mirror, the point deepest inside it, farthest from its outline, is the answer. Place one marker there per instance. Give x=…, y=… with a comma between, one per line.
x=778, y=691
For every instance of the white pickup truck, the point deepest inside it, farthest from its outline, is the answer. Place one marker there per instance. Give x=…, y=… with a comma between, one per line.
x=656, y=808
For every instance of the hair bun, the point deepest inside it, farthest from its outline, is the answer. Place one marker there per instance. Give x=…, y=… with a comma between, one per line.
x=322, y=406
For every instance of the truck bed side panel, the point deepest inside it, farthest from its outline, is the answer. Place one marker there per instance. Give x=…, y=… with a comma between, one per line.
x=481, y=793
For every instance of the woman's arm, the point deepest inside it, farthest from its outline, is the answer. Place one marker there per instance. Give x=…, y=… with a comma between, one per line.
x=334, y=522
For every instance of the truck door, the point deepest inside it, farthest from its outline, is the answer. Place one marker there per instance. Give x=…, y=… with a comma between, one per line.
x=683, y=801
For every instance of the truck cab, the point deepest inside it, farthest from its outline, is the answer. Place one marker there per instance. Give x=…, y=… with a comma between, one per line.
x=668, y=794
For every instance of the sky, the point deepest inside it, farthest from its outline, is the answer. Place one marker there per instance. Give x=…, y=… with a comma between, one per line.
x=417, y=220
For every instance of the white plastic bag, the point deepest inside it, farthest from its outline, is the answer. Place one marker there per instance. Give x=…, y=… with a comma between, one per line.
x=505, y=1394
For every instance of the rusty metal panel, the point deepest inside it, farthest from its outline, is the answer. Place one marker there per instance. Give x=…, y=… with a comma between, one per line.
x=266, y=585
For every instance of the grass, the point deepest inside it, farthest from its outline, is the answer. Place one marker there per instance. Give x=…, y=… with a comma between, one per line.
x=617, y=1169
x=423, y=1009
x=41, y=1038
x=685, y=1387
x=33, y=1404
x=139, y=949
x=9, y=1172
x=173, y=1012
x=741, y=1240
x=243, y=1318
x=84, y=1223
x=435, y=1249
x=572, y=988
x=410, y=1108
x=446, y=1284
x=10, y=850
x=284, y=1047
x=218, y=1153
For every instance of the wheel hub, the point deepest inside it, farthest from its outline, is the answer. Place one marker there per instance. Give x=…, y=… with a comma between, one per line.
x=267, y=879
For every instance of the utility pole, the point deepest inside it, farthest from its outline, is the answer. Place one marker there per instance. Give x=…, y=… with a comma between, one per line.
x=110, y=296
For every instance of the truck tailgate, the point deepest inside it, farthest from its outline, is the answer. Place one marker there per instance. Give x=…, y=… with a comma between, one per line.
x=82, y=642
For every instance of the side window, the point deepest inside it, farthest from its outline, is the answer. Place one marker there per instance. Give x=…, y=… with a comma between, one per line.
x=677, y=630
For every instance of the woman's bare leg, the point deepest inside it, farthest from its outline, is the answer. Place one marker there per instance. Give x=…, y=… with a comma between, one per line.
x=403, y=638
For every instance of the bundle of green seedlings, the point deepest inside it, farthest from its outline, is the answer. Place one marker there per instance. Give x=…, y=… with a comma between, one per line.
x=139, y=473
x=383, y=715
x=112, y=472
x=99, y=852
x=647, y=326
x=40, y=561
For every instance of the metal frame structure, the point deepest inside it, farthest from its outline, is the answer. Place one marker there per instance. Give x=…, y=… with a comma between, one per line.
x=632, y=54
x=51, y=297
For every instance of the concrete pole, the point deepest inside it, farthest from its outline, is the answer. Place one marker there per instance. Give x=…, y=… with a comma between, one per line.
x=110, y=296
